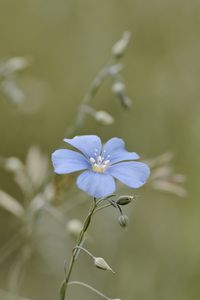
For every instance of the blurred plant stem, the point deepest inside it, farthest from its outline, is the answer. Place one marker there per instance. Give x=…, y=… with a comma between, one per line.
x=12, y=244
x=90, y=94
x=111, y=69
x=90, y=288
x=18, y=270
x=76, y=250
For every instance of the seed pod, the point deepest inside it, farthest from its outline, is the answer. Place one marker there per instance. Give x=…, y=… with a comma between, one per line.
x=120, y=46
x=102, y=264
x=104, y=118
x=124, y=200
x=123, y=221
x=119, y=90
x=118, y=87
x=125, y=101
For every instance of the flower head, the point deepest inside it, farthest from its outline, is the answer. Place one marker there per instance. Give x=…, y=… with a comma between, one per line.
x=101, y=165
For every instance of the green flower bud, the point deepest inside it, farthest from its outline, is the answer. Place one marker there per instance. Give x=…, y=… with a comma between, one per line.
x=124, y=200
x=102, y=264
x=123, y=221
x=120, y=46
x=125, y=101
x=118, y=87
x=104, y=118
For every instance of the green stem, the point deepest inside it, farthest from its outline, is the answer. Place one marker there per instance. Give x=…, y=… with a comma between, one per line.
x=76, y=249
x=102, y=207
x=90, y=288
x=85, y=250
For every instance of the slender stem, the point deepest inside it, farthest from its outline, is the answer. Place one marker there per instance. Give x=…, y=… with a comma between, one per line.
x=18, y=270
x=105, y=199
x=79, y=242
x=85, y=250
x=102, y=207
x=89, y=287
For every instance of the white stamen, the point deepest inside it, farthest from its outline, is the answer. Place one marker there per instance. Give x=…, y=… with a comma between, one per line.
x=92, y=160
x=99, y=163
x=99, y=159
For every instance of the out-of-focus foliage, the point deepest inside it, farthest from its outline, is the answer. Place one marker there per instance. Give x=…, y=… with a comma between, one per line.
x=157, y=257
x=8, y=73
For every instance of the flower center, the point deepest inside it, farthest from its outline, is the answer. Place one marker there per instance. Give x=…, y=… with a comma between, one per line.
x=99, y=164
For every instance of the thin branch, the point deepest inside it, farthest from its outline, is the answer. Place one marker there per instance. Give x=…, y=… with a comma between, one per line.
x=90, y=288
x=102, y=207
x=75, y=253
x=85, y=250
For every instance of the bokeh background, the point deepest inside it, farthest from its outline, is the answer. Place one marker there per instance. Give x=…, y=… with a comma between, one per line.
x=158, y=256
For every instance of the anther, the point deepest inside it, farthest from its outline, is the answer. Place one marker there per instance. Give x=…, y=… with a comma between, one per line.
x=92, y=160
x=99, y=159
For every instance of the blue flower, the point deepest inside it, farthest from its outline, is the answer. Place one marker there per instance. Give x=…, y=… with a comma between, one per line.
x=101, y=165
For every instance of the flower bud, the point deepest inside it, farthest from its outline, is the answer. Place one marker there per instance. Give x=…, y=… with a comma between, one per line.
x=120, y=46
x=115, y=69
x=124, y=200
x=118, y=87
x=123, y=221
x=125, y=101
x=102, y=264
x=74, y=227
x=103, y=117
x=119, y=90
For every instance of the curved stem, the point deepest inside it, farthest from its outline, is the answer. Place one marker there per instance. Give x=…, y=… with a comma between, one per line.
x=76, y=250
x=102, y=207
x=85, y=250
x=105, y=199
x=90, y=288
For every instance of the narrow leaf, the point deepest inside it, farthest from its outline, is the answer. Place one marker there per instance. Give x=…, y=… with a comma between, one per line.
x=11, y=204
x=37, y=166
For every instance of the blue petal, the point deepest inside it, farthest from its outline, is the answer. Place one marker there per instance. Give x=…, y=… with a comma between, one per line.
x=68, y=161
x=133, y=174
x=97, y=185
x=115, y=148
x=87, y=144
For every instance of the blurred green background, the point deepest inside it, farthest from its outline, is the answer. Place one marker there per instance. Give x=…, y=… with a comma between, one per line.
x=158, y=256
